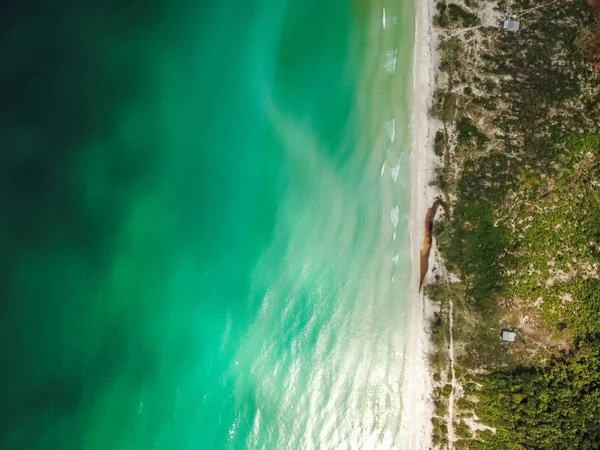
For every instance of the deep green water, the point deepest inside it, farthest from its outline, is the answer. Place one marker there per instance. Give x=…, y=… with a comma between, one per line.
x=198, y=250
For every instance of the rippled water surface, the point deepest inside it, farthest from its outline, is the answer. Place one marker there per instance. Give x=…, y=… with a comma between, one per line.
x=205, y=207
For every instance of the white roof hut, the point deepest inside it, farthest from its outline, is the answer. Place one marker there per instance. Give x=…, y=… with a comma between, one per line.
x=512, y=24
x=509, y=335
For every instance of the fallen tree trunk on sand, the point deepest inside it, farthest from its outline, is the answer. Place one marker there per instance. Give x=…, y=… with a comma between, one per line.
x=429, y=217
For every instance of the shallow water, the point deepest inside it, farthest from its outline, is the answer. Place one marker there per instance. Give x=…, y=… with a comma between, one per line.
x=205, y=208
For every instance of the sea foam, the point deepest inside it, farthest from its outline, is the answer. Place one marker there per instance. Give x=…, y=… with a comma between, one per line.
x=390, y=61
x=395, y=171
x=390, y=129
x=395, y=215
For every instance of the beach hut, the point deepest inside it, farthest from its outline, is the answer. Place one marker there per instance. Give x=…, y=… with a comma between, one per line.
x=509, y=335
x=512, y=24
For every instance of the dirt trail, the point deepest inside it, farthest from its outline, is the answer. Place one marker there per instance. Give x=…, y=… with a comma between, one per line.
x=455, y=385
x=525, y=11
x=451, y=435
x=425, y=251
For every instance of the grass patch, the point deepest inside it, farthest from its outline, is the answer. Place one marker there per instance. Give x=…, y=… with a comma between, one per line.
x=469, y=133
x=439, y=143
x=452, y=14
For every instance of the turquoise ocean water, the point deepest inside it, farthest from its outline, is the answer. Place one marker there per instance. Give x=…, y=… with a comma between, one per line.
x=204, y=224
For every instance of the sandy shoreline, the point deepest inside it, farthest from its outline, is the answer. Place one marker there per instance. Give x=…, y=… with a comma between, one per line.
x=418, y=405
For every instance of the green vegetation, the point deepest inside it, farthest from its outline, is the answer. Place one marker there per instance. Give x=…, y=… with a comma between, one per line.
x=440, y=431
x=439, y=143
x=523, y=184
x=444, y=105
x=451, y=55
x=478, y=248
x=468, y=132
x=453, y=14
x=555, y=406
x=462, y=430
x=563, y=265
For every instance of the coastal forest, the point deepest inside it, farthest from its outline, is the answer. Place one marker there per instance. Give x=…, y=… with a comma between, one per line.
x=517, y=142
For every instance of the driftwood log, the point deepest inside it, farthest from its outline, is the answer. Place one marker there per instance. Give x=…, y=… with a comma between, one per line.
x=429, y=217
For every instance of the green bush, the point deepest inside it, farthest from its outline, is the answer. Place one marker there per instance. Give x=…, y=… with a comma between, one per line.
x=457, y=14
x=468, y=132
x=477, y=246
x=439, y=143
x=558, y=407
x=453, y=14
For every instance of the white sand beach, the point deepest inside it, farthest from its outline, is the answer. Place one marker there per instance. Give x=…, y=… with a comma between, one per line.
x=417, y=402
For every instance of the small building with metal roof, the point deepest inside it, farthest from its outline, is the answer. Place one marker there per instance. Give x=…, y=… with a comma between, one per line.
x=512, y=24
x=509, y=335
